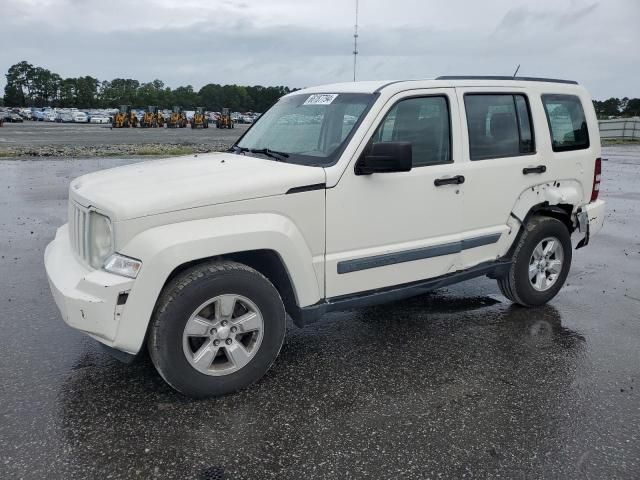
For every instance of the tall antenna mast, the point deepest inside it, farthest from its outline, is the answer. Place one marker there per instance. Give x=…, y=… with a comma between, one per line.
x=355, y=43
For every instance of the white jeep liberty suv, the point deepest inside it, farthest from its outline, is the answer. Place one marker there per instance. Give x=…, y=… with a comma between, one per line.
x=339, y=196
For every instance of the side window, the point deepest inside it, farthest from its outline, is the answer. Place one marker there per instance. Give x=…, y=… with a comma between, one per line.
x=424, y=122
x=499, y=126
x=566, y=121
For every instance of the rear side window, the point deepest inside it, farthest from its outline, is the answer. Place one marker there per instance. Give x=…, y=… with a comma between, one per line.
x=422, y=121
x=499, y=125
x=567, y=122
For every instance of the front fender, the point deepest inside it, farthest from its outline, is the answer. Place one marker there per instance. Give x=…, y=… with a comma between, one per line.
x=163, y=249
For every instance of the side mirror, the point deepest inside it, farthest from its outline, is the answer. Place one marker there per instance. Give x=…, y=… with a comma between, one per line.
x=385, y=157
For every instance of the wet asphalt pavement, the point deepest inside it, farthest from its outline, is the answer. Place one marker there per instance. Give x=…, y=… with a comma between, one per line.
x=455, y=384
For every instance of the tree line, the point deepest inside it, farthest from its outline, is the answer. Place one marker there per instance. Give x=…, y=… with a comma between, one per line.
x=29, y=86
x=617, y=107
x=32, y=86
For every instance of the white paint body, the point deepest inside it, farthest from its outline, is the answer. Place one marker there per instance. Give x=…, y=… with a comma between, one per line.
x=80, y=117
x=99, y=119
x=170, y=212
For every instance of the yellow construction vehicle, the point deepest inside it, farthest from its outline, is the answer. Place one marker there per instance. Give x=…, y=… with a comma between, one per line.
x=177, y=119
x=125, y=118
x=152, y=118
x=199, y=119
x=224, y=119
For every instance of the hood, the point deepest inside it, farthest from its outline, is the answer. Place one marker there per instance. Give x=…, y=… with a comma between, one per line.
x=160, y=186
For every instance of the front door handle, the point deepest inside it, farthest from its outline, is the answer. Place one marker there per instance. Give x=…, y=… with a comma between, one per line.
x=538, y=169
x=457, y=180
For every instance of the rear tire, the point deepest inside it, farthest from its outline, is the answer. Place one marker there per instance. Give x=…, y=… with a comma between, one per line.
x=540, y=263
x=243, y=352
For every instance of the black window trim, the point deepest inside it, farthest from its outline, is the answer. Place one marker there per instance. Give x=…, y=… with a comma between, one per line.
x=531, y=126
x=546, y=113
x=410, y=97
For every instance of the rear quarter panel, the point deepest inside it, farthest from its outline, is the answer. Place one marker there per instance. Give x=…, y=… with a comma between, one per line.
x=575, y=165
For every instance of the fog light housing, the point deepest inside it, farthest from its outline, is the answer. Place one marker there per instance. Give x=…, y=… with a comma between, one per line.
x=122, y=265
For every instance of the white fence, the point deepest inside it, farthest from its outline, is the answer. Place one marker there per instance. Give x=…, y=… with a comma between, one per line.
x=623, y=128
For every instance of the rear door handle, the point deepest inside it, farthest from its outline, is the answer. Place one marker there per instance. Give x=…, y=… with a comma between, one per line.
x=457, y=180
x=538, y=169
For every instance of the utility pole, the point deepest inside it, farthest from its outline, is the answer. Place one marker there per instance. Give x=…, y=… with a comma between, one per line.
x=355, y=43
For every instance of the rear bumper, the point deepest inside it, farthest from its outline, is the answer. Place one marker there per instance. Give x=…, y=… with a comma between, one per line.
x=591, y=220
x=595, y=211
x=87, y=299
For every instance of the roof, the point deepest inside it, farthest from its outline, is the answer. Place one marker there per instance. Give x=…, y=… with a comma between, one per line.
x=439, y=82
x=347, y=87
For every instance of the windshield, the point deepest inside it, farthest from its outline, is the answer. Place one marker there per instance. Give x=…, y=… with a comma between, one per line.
x=307, y=129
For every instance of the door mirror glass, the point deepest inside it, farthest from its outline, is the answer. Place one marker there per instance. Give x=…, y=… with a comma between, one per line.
x=385, y=157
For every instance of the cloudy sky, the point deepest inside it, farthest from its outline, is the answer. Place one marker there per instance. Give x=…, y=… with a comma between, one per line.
x=308, y=42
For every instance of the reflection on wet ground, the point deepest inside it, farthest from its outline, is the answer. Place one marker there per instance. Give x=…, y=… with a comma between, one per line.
x=452, y=384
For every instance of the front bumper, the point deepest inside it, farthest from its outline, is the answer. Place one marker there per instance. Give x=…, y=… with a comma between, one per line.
x=590, y=220
x=86, y=298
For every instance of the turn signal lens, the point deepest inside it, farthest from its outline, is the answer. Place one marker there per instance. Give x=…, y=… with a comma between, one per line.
x=121, y=265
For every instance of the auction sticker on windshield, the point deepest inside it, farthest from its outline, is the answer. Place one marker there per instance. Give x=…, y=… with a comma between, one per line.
x=320, y=99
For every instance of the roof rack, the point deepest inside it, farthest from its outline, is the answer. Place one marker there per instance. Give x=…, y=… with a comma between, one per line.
x=496, y=77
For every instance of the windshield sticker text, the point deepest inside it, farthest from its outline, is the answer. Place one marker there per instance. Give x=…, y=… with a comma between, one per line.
x=320, y=99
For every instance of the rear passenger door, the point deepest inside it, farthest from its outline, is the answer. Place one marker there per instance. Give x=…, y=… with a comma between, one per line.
x=499, y=128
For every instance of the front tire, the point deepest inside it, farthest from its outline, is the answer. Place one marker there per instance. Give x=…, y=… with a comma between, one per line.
x=217, y=328
x=540, y=263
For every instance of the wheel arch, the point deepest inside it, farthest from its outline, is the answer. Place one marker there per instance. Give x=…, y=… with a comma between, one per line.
x=265, y=261
x=559, y=199
x=562, y=212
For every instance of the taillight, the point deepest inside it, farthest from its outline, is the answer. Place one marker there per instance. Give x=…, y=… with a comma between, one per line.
x=597, y=173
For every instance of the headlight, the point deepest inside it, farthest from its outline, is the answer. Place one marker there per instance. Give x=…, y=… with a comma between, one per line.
x=121, y=265
x=100, y=239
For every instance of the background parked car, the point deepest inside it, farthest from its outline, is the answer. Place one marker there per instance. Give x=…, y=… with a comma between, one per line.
x=99, y=119
x=37, y=115
x=80, y=117
x=11, y=117
x=64, y=117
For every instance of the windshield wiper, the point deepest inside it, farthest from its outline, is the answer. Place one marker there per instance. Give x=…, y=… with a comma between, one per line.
x=280, y=156
x=236, y=148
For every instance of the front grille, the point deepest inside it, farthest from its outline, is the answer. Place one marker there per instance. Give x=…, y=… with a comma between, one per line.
x=79, y=230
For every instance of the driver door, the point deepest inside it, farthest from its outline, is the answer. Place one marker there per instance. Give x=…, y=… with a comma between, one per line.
x=387, y=229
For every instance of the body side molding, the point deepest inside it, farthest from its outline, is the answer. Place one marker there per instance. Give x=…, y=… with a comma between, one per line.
x=357, y=264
